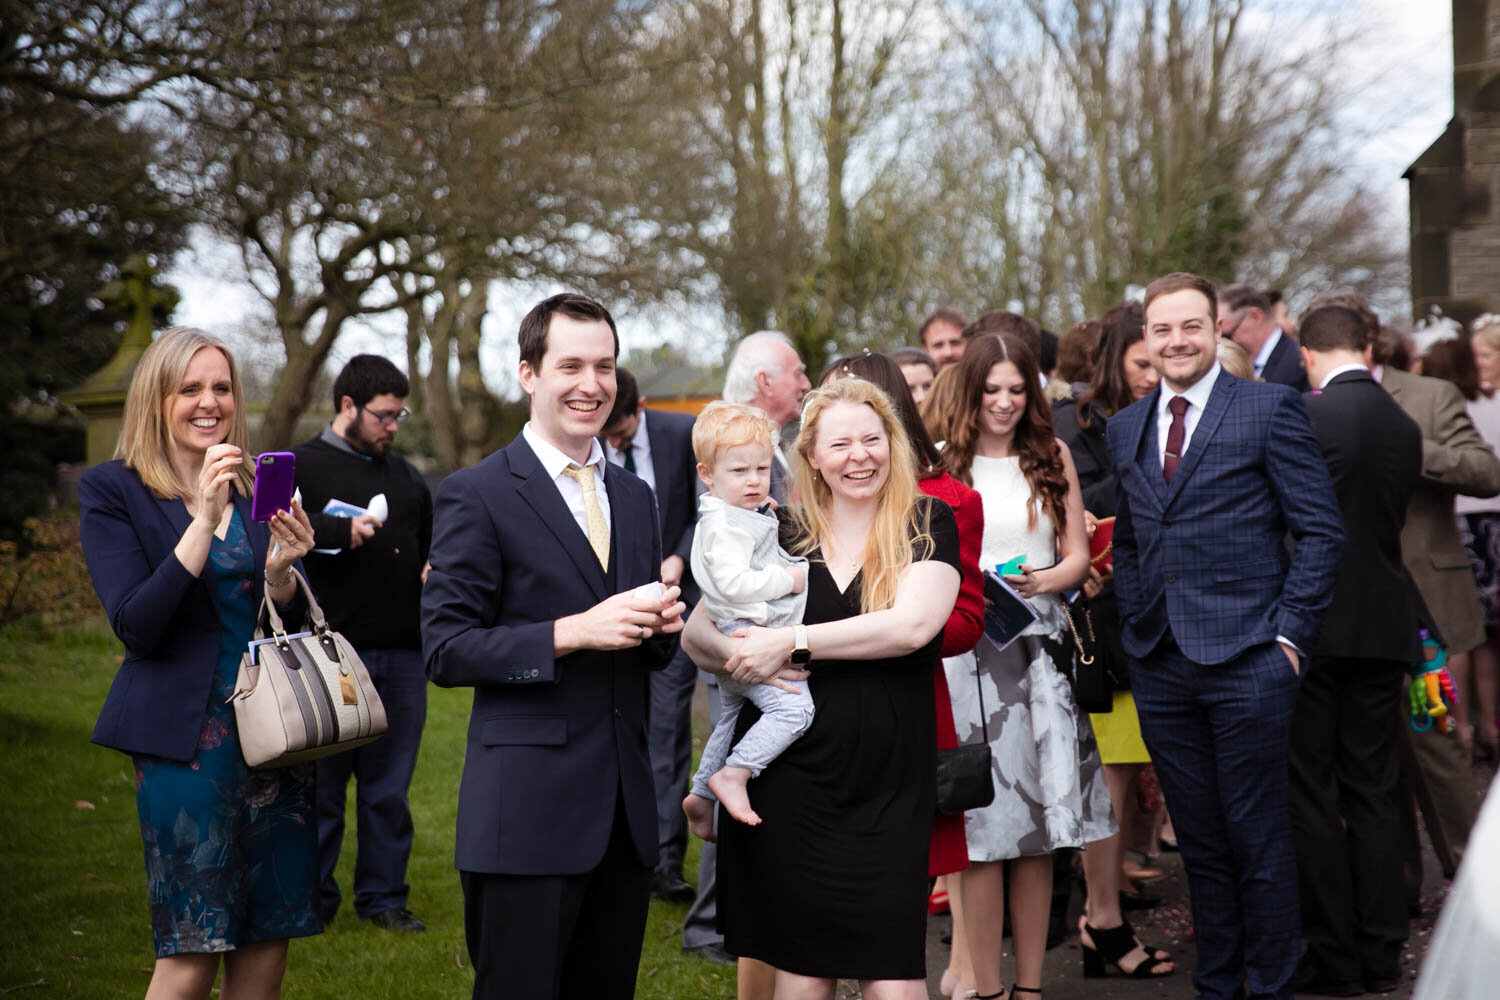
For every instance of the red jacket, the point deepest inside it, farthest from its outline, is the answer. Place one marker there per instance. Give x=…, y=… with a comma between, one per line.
x=949, y=851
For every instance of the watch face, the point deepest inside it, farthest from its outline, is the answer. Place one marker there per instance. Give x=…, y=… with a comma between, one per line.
x=801, y=655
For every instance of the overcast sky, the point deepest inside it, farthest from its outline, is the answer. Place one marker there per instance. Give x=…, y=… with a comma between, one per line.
x=1403, y=103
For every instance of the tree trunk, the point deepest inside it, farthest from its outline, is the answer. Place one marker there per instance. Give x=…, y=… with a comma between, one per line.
x=290, y=398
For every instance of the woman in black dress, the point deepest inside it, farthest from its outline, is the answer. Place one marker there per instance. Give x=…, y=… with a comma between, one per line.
x=833, y=883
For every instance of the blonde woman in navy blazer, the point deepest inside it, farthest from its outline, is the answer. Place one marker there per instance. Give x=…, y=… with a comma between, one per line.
x=231, y=853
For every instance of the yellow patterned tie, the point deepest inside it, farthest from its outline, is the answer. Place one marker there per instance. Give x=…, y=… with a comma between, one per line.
x=598, y=529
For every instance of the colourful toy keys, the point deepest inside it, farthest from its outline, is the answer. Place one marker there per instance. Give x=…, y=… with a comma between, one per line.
x=1432, y=692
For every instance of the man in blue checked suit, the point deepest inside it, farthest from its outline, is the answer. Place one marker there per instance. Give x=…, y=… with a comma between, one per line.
x=1214, y=473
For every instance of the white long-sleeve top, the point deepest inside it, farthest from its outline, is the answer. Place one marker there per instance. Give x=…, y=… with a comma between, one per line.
x=741, y=567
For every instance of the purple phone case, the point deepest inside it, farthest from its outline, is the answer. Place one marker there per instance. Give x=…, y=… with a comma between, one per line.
x=275, y=481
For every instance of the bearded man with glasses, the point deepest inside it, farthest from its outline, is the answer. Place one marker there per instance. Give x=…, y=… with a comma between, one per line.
x=368, y=572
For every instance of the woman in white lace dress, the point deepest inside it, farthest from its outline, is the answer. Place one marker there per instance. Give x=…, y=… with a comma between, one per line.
x=1049, y=789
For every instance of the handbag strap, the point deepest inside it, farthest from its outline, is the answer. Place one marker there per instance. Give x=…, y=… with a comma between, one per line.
x=1088, y=620
x=268, y=609
x=984, y=722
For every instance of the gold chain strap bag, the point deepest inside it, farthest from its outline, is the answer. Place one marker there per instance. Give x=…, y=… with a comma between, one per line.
x=302, y=696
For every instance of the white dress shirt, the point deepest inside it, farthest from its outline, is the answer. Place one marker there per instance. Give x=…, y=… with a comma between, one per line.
x=1197, y=397
x=640, y=447
x=555, y=462
x=1352, y=366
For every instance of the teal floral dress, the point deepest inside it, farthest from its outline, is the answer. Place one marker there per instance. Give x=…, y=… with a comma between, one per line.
x=231, y=852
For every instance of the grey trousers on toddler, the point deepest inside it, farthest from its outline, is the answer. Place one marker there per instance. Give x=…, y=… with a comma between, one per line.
x=784, y=717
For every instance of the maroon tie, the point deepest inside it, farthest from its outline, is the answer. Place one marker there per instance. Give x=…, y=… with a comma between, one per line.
x=1178, y=405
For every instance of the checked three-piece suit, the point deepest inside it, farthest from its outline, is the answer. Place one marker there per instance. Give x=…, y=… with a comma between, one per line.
x=1205, y=587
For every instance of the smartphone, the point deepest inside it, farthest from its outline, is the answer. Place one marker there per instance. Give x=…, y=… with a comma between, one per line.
x=1011, y=567
x=275, y=479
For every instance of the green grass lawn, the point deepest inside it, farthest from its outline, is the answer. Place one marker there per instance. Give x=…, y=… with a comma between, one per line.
x=76, y=922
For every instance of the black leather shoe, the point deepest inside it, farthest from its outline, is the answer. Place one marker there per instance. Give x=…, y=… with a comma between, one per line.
x=672, y=887
x=712, y=953
x=397, y=919
x=1308, y=979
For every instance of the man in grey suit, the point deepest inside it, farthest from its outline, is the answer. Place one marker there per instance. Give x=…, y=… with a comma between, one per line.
x=766, y=372
x=1455, y=459
x=657, y=447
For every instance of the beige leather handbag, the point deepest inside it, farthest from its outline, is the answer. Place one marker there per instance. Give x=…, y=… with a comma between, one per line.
x=304, y=696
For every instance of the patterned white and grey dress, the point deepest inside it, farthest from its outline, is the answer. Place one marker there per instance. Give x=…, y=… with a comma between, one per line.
x=1049, y=787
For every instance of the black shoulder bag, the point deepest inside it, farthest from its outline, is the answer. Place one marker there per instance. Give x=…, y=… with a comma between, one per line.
x=964, y=776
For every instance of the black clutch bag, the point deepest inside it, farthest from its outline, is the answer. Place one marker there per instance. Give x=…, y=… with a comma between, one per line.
x=964, y=776
x=1091, y=684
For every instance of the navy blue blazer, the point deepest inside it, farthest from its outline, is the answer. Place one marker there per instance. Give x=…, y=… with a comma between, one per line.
x=167, y=618
x=1205, y=555
x=1284, y=366
x=551, y=741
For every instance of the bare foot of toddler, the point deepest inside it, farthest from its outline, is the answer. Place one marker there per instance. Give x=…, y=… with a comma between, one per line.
x=731, y=786
x=700, y=817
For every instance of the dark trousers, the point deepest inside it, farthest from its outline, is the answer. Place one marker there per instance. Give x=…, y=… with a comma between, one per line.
x=1219, y=737
x=669, y=740
x=382, y=771
x=1436, y=772
x=1345, y=764
x=701, y=925
x=560, y=937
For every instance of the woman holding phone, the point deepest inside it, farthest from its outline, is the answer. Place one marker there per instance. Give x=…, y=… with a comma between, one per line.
x=181, y=569
x=1049, y=792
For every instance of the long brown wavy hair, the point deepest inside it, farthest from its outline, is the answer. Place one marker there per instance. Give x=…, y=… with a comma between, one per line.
x=1123, y=324
x=1034, y=442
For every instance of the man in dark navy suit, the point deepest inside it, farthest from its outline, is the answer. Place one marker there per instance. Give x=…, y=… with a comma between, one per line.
x=1214, y=472
x=657, y=447
x=1245, y=317
x=537, y=599
x=1345, y=741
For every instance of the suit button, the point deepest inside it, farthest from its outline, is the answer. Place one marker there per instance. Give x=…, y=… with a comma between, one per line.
x=1171, y=577
x=619, y=714
x=1166, y=523
x=536, y=671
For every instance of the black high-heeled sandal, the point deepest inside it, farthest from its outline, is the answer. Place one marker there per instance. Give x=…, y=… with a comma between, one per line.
x=1113, y=944
x=1024, y=989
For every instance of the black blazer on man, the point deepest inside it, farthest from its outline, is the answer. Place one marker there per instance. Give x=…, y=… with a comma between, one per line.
x=1374, y=455
x=1284, y=366
x=677, y=487
x=552, y=743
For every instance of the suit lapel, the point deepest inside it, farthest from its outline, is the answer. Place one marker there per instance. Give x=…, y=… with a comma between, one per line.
x=1142, y=440
x=664, y=461
x=260, y=545
x=541, y=494
x=624, y=539
x=175, y=511
x=1213, y=415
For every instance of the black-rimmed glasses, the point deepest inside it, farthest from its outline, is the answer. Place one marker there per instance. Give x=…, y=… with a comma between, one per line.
x=399, y=417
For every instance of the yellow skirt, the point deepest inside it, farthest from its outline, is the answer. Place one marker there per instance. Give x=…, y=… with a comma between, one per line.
x=1119, y=733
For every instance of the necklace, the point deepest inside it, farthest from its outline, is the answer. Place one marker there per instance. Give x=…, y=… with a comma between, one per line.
x=832, y=548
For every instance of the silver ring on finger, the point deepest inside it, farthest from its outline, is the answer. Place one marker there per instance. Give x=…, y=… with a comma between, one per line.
x=640, y=632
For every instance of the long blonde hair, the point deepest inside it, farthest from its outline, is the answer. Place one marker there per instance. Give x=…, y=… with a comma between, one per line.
x=145, y=436
x=901, y=524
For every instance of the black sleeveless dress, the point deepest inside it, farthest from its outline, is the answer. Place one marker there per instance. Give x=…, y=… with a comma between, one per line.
x=833, y=883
